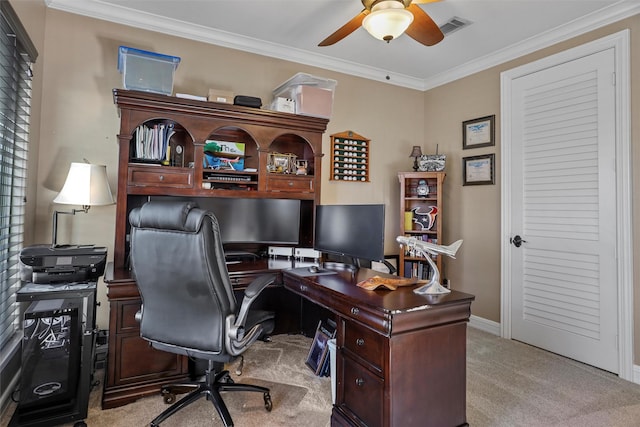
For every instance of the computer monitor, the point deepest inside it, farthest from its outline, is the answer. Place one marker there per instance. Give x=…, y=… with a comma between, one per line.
x=267, y=221
x=352, y=231
x=253, y=221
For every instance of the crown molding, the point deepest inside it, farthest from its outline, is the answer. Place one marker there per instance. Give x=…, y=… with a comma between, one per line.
x=616, y=12
x=148, y=21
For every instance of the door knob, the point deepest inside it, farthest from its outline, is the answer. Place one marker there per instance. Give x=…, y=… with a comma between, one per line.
x=517, y=241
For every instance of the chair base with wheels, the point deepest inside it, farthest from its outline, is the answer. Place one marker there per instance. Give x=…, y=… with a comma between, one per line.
x=213, y=384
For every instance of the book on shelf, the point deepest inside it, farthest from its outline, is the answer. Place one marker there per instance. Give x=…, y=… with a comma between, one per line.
x=418, y=269
x=152, y=142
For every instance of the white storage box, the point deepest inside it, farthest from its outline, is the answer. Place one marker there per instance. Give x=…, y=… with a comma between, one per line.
x=313, y=96
x=283, y=104
x=147, y=71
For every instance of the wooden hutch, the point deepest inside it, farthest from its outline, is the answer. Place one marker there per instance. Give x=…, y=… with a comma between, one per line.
x=134, y=369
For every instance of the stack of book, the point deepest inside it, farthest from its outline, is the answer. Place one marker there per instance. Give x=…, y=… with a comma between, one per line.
x=152, y=142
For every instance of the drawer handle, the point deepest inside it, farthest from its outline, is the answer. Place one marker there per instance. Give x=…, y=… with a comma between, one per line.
x=355, y=311
x=359, y=382
x=360, y=342
x=290, y=183
x=303, y=288
x=161, y=177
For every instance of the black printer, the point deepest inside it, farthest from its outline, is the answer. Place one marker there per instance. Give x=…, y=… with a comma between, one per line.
x=63, y=263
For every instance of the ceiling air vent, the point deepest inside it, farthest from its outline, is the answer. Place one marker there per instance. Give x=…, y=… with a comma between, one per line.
x=454, y=24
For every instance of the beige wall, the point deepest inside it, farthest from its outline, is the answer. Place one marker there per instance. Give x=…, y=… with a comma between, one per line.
x=79, y=120
x=473, y=213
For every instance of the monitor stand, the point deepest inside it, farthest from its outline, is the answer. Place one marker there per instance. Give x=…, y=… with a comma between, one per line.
x=339, y=266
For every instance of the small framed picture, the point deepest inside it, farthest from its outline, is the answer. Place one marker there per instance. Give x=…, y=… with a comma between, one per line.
x=389, y=265
x=478, y=170
x=318, y=352
x=478, y=132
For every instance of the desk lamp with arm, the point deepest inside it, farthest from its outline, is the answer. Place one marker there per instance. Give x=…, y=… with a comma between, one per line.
x=86, y=185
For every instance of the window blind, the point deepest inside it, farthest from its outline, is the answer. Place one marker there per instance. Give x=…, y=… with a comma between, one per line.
x=16, y=57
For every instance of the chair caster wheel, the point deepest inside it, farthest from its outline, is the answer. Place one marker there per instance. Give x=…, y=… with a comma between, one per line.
x=168, y=397
x=268, y=405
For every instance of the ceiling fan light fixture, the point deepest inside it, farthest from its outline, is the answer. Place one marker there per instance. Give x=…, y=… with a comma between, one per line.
x=388, y=20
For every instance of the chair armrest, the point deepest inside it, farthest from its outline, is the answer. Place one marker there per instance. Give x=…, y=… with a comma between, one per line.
x=250, y=294
x=258, y=284
x=237, y=339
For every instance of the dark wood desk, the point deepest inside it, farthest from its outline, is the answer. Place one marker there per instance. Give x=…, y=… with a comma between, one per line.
x=401, y=357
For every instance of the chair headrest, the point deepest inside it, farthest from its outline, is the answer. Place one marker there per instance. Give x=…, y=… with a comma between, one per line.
x=168, y=215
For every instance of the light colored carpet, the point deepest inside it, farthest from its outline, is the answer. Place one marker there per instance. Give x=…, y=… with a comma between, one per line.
x=514, y=384
x=299, y=397
x=508, y=384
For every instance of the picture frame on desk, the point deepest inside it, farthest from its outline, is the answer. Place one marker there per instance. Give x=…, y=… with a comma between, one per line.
x=389, y=265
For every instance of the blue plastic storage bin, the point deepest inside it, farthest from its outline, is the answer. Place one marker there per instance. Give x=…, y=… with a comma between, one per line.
x=147, y=71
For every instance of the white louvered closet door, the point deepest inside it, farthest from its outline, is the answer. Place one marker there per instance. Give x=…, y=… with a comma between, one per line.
x=563, y=192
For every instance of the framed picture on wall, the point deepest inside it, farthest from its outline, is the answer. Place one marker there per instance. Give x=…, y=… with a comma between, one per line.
x=478, y=170
x=478, y=132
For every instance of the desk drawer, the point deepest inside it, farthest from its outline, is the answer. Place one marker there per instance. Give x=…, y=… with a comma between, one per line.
x=363, y=392
x=125, y=312
x=365, y=343
x=161, y=177
x=343, y=307
x=295, y=184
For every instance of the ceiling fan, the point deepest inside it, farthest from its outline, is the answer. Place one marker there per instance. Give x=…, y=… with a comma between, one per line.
x=388, y=19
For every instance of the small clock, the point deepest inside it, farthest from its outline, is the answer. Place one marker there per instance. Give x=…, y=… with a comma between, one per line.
x=422, y=189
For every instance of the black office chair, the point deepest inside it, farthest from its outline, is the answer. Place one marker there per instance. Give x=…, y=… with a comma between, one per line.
x=188, y=304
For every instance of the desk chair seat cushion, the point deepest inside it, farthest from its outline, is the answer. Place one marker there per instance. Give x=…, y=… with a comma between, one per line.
x=180, y=269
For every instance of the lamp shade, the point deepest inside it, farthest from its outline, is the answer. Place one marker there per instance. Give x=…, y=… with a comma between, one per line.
x=86, y=185
x=387, y=20
x=416, y=151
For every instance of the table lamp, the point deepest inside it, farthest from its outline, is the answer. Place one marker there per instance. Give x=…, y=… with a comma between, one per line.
x=416, y=152
x=86, y=185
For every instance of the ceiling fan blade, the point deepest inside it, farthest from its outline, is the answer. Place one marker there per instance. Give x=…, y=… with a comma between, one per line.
x=423, y=29
x=345, y=30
